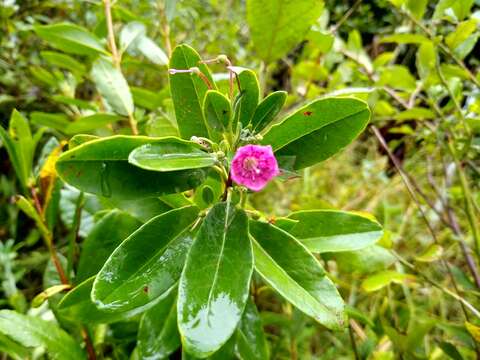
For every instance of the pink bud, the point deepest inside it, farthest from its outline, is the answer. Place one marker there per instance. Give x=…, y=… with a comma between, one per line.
x=254, y=166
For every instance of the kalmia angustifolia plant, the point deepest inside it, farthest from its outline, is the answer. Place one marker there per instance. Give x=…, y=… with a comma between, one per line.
x=194, y=263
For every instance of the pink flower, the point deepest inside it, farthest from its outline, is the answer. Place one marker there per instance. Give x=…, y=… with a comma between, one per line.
x=254, y=166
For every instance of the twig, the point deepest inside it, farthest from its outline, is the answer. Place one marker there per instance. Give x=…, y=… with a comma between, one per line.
x=111, y=34
x=345, y=17
x=415, y=199
x=442, y=46
x=465, y=303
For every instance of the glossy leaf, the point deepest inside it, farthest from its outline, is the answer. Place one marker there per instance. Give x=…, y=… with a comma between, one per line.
x=247, y=98
x=34, y=332
x=277, y=26
x=217, y=111
x=112, y=86
x=333, y=231
x=158, y=334
x=251, y=342
x=104, y=237
x=77, y=306
x=318, y=130
x=71, y=38
x=91, y=122
x=268, y=109
x=188, y=92
x=214, y=285
x=171, y=156
x=296, y=274
x=147, y=264
x=101, y=167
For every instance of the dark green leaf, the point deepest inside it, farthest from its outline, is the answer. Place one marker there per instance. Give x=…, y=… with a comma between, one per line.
x=251, y=342
x=77, y=306
x=217, y=111
x=214, y=285
x=147, y=264
x=171, y=156
x=333, y=231
x=188, y=91
x=101, y=167
x=158, y=333
x=247, y=97
x=104, y=237
x=268, y=109
x=318, y=130
x=296, y=274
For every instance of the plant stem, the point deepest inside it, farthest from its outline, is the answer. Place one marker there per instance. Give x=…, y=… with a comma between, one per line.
x=111, y=35
x=447, y=291
x=415, y=199
x=442, y=46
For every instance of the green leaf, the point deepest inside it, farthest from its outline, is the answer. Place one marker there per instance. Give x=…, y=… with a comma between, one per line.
x=397, y=77
x=71, y=38
x=148, y=48
x=77, y=307
x=91, y=122
x=56, y=121
x=296, y=274
x=367, y=260
x=146, y=99
x=112, y=86
x=405, y=39
x=210, y=191
x=247, y=99
x=21, y=137
x=147, y=264
x=217, y=111
x=276, y=26
x=134, y=39
x=130, y=34
x=432, y=253
x=171, y=156
x=383, y=278
x=267, y=110
x=251, y=342
x=158, y=334
x=417, y=8
x=464, y=38
x=415, y=113
x=426, y=59
x=215, y=282
x=332, y=231
x=64, y=61
x=34, y=332
x=454, y=10
x=101, y=167
x=318, y=130
x=13, y=349
x=97, y=247
x=188, y=92
x=9, y=145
